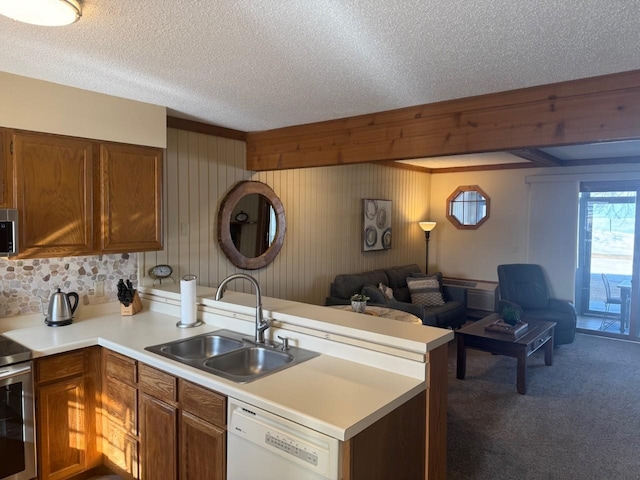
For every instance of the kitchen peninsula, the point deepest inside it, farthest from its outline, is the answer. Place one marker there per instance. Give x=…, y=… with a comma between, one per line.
x=378, y=387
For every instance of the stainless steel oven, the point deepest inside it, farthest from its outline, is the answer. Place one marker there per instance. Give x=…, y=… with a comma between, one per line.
x=17, y=427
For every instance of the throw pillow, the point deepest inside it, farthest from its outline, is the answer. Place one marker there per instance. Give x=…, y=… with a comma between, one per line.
x=386, y=291
x=425, y=291
x=435, y=276
x=374, y=294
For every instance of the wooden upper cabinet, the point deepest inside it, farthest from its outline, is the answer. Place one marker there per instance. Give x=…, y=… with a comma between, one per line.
x=54, y=194
x=131, y=191
x=79, y=196
x=6, y=190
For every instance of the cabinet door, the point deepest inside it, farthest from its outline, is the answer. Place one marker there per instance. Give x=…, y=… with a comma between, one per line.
x=202, y=449
x=131, y=183
x=120, y=427
x=6, y=200
x=54, y=194
x=121, y=407
x=158, y=439
x=61, y=421
x=120, y=444
x=120, y=451
x=68, y=412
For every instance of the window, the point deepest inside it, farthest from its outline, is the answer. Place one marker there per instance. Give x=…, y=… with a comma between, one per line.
x=468, y=207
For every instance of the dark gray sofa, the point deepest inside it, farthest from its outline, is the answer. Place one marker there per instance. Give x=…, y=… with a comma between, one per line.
x=452, y=314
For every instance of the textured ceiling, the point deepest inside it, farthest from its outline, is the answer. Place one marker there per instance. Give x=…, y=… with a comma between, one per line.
x=263, y=64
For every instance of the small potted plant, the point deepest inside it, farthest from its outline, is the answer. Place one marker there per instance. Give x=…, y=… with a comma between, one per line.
x=511, y=315
x=359, y=302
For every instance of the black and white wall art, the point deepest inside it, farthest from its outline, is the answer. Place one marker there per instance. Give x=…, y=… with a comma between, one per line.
x=376, y=232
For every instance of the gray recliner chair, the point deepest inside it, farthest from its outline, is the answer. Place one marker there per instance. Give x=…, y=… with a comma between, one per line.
x=524, y=286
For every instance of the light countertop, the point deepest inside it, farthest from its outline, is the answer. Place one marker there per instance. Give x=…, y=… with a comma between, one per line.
x=332, y=395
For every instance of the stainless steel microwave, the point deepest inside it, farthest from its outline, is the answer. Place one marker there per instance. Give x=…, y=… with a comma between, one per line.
x=8, y=232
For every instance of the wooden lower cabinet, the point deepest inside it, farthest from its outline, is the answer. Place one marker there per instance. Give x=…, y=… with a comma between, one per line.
x=96, y=407
x=120, y=442
x=203, y=433
x=202, y=449
x=158, y=439
x=160, y=427
x=68, y=413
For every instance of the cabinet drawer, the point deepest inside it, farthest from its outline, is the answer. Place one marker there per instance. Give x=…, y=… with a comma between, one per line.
x=120, y=367
x=157, y=384
x=201, y=402
x=60, y=366
x=121, y=405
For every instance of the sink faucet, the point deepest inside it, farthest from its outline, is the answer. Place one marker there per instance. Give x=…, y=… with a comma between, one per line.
x=261, y=323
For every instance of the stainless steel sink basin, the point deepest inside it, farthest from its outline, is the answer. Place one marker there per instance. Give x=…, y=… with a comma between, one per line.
x=249, y=361
x=204, y=346
x=200, y=347
x=229, y=355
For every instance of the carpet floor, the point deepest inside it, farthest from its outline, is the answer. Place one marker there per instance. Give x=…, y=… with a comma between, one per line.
x=580, y=418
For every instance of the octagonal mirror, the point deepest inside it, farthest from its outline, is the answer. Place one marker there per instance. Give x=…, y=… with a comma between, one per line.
x=468, y=207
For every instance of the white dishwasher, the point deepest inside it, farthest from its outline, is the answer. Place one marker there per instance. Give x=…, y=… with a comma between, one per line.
x=264, y=446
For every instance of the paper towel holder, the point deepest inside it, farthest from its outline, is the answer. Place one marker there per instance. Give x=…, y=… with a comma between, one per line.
x=189, y=278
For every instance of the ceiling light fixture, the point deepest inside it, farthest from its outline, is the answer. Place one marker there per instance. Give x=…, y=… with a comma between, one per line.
x=48, y=13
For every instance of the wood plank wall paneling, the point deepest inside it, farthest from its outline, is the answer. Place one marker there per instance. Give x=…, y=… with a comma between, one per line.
x=323, y=207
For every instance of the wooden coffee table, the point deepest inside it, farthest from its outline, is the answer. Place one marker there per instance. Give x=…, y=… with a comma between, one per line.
x=538, y=334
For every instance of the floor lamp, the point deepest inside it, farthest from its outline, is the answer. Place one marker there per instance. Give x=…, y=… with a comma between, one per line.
x=427, y=227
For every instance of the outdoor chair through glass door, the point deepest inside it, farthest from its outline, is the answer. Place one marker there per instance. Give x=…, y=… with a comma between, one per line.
x=606, y=294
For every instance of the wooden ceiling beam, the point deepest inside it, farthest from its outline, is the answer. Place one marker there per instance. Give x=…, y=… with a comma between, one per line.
x=405, y=166
x=538, y=157
x=198, y=127
x=589, y=110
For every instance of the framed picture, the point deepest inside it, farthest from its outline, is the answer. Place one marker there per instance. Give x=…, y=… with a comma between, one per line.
x=376, y=229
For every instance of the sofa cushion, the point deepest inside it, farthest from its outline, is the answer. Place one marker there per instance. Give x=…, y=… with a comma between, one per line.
x=425, y=291
x=398, y=281
x=452, y=314
x=386, y=291
x=437, y=276
x=347, y=284
x=374, y=294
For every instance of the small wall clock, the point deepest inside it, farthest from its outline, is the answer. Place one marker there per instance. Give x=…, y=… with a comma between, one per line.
x=161, y=272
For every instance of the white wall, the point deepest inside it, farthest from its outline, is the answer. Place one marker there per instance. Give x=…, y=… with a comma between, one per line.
x=533, y=219
x=503, y=238
x=30, y=104
x=323, y=208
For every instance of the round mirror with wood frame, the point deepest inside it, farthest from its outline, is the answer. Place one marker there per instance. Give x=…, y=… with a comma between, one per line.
x=246, y=217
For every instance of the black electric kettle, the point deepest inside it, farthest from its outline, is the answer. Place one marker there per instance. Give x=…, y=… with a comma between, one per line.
x=60, y=309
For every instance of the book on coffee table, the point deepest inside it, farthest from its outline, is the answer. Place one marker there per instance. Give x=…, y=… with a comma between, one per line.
x=500, y=326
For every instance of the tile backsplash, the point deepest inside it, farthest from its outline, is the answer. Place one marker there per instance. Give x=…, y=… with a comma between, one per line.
x=24, y=282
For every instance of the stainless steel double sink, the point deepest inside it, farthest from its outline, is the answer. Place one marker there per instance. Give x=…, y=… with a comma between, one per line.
x=230, y=355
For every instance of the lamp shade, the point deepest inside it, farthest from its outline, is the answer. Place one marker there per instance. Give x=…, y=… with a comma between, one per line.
x=427, y=226
x=49, y=13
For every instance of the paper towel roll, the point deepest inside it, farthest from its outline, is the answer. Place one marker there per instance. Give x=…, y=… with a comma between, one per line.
x=188, y=309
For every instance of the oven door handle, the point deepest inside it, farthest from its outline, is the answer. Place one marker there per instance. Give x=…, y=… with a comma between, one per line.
x=14, y=370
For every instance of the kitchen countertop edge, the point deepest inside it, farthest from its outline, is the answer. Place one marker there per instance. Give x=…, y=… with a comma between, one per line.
x=376, y=392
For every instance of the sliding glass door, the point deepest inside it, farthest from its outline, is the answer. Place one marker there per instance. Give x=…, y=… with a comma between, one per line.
x=606, y=294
